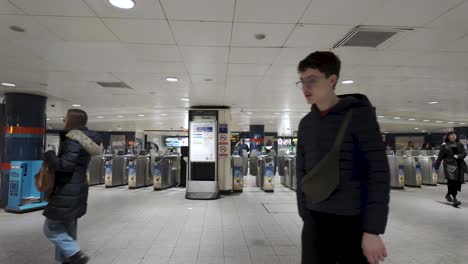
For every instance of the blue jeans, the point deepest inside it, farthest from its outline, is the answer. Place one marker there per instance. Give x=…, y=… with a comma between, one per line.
x=63, y=235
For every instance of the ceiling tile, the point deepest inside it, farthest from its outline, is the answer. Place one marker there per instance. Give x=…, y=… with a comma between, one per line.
x=140, y=31
x=270, y=11
x=293, y=55
x=207, y=69
x=54, y=7
x=34, y=31
x=414, y=13
x=276, y=34
x=151, y=52
x=454, y=20
x=77, y=28
x=202, y=10
x=144, y=9
x=6, y=8
x=202, y=33
x=344, y=12
x=247, y=69
x=427, y=40
x=204, y=55
x=253, y=55
x=322, y=36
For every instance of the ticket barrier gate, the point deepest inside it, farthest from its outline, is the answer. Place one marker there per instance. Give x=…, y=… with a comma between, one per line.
x=397, y=173
x=96, y=170
x=166, y=172
x=290, y=172
x=23, y=195
x=428, y=171
x=265, y=173
x=281, y=167
x=142, y=176
x=412, y=171
x=122, y=168
x=253, y=163
x=237, y=164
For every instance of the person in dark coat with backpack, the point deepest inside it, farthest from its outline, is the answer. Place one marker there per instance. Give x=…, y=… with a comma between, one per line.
x=453, y=153
x=344, y=207
x=68, y=199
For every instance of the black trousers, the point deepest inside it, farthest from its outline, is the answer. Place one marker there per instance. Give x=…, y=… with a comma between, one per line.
x=453, y=187
x=332, y=239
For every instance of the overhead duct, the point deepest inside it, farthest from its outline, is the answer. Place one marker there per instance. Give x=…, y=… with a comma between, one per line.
x=369, y=37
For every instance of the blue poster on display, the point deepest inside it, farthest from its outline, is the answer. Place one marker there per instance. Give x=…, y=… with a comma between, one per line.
x=269, y=181
x=157, y=176
x=238, y=178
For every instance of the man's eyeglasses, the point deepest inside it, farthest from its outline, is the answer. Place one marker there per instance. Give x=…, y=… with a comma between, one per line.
x=308, y=83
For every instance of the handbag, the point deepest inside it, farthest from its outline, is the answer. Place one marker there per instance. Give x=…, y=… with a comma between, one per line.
x=44, y=180
x=320, y=182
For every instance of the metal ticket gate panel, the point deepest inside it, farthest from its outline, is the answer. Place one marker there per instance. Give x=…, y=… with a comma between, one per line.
x=428, y=171
x=245, y=162
x=287, y=176
x=119, y=172
x=170, y=172
x=141, y=178
x=397, y=173
x=259, y=174
x=96, y=170
x=131, y=168
x=253, y=164
x=441, y=174
x=281, y=160
x=412, y=170
x=237, y=173
x=292, y=172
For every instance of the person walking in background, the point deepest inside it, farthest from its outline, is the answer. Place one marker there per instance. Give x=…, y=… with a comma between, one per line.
x=242, y=146
x=68, y=200
x=342, y=170
x=453, y=153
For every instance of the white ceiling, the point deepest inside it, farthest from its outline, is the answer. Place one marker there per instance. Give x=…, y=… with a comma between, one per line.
x=210, y=46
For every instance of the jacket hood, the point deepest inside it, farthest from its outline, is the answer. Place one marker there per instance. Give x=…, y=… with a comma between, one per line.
x=85, y=140
x=347, y=102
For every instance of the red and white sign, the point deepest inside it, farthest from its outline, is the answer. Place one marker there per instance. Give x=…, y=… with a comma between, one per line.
x=223, y=141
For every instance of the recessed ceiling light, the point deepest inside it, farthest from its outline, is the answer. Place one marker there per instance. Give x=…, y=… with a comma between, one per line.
x=119, y=116
x=438, y=121
x=462, y=123
x=110, y=130
x=381, y=116
x=433, y=102
x=424, y=131
x=48, y=119
x=62, y=118
x=386, y=132
x=249, y=113
x=119, y=128
x=304, y=113
x=411, y=119
x=347, y=82
x=100, y=117
x=76, y=105
x=277, y=113
x=17, y=28
x=141, y=115
x=164, y=114
x=8, y=84
x=260, y=36
x=426, y=120
x=172, y=79
x=185, y=99
x=123, y=4
x=271, y=121
x=417, y=128
x=396, y=118
x=161, y=123
x=451, y=122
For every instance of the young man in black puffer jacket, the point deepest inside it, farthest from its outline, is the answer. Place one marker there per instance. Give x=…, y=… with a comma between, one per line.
x=346, y=226
x=68, y=200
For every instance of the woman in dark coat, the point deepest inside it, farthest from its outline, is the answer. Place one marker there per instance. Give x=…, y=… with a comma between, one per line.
x=68, y=200
x=453, y=153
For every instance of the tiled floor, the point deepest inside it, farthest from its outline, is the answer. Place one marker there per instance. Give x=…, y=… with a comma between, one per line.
x=143, y=226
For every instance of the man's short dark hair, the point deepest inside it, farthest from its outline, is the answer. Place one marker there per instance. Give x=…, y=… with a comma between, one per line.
x=324, y=61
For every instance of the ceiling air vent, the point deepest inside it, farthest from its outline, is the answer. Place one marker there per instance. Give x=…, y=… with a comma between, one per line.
x=370, y=37
x=120, y=85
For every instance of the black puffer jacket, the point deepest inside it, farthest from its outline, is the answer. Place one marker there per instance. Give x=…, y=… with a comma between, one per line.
x=364, y=172
x=446, y=154
x=68, y=200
